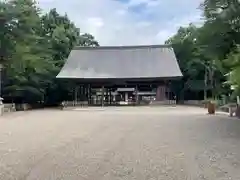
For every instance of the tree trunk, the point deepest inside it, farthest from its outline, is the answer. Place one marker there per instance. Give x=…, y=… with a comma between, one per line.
x=205, y=83
x=211, y=75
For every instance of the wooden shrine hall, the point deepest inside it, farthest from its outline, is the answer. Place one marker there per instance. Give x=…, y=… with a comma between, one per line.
x=120, y=75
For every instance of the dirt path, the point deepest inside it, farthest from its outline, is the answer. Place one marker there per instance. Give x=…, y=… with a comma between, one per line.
x=119, y=143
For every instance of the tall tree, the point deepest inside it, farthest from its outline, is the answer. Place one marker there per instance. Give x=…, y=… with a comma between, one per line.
x=25, y=65
x=186, y=50
x=33, y=49
x=62, y=36
x=224, y=17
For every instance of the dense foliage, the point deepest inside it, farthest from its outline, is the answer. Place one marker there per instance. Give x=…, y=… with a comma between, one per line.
x=34, y=47
x=208, y=53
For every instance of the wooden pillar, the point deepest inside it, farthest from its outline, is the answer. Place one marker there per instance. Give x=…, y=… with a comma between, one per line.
x=114, y=97
x=89, y=94
x=126, y=96
x=110, y=92
x=107, y=96
x=102, y=98
x=136, y=94
x=84, y=92
x=160, y=94
x=75, y=96
x=169, y=93
x=81, y=94
x=91, y=102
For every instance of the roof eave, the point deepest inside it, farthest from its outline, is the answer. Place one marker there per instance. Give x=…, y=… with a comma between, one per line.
x=122, y=47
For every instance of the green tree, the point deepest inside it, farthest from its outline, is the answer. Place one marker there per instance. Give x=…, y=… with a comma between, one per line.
x=186, y=50
x=205, y=53
x=62, y=36
x=27, y=61
x=224, y=19
x=33, y=50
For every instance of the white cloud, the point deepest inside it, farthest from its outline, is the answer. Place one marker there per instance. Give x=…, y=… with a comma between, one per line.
x=121, y=12
x=95, y=21
x=153, y=3
x=143, y=24
x=113, y=23
x=138, y=2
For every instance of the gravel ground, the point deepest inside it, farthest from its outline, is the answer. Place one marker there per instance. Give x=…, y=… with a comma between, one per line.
x=142, y=143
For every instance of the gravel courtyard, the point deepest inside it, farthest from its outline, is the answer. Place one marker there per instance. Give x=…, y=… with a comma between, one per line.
x=141, y=143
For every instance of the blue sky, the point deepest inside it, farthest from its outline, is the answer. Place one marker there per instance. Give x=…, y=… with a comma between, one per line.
x=128, y=22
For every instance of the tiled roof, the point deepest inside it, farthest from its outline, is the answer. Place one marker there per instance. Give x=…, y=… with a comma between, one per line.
x=122, y=62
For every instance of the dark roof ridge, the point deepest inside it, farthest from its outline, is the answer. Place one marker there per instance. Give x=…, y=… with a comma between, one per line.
x=122, y=47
